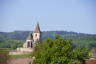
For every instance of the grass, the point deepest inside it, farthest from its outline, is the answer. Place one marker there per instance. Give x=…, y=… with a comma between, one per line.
x=6, y=49
x=15, y=56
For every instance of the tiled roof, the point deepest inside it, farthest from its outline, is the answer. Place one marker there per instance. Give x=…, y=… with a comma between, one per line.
x=37, y=29
x=90, y=61
x=30, y=37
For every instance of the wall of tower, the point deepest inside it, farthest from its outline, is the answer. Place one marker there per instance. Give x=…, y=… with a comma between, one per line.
x=36, y=36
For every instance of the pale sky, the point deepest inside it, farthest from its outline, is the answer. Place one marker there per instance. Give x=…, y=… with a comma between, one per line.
x=52, y=15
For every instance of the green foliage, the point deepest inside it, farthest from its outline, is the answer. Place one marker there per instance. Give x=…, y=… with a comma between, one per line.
x=21, y=35
x=12, y=44
x=79, y=39
x=85, y=43
x=59, y=51
x=16, y=35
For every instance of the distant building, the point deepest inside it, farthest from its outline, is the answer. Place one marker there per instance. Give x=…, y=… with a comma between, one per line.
x=30, y=43
x=93, y=51
x=33, y=38
x=92, y=59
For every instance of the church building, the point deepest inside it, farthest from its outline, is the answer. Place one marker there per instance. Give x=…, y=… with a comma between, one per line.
x=30, y=43
x=33, y=38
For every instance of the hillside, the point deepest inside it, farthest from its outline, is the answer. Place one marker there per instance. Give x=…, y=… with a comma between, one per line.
x=17, y=38
x=22, y=35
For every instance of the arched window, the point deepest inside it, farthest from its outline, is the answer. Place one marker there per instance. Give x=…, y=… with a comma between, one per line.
x=35, y=35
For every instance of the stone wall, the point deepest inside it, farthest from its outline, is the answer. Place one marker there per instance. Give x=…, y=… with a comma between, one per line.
x=20, y=61
x=20, y=51
x=25, y=49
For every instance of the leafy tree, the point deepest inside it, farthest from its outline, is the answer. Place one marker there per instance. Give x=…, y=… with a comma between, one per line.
x=59, y=51
x=13, y=44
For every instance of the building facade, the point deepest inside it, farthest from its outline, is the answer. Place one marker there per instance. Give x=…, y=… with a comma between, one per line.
x=33, y=38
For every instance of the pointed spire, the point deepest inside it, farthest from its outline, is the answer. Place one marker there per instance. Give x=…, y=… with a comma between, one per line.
x=37, y=29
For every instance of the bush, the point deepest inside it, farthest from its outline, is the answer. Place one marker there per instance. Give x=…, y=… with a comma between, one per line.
x=59, y=51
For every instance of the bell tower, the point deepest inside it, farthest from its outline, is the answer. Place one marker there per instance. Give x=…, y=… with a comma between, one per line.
x=36, y=34
x=33, y=38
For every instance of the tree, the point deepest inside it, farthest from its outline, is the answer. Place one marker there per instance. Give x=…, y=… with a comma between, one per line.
x=59, y=51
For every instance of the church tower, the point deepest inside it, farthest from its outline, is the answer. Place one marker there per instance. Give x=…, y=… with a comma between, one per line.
x=33, y=38
x=36, y=34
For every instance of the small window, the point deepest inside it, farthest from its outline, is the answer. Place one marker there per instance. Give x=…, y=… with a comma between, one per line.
x=35, y=35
